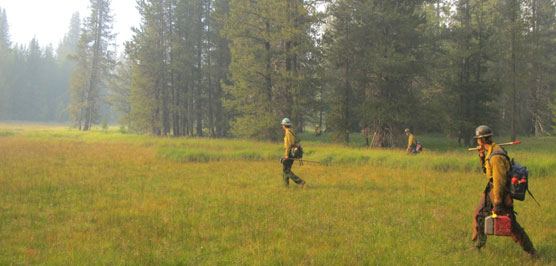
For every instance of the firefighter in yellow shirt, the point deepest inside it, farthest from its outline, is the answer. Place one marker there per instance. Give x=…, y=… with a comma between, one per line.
x=411, y=142
x=317, y=130
x=287, y=162
x=496, y=197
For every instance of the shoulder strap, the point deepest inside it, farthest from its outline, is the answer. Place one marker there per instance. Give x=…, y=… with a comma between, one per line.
x=295, y=140
x=503, y=153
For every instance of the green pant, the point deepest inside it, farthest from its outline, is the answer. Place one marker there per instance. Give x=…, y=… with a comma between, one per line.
x=484, y=209
x=288, y=174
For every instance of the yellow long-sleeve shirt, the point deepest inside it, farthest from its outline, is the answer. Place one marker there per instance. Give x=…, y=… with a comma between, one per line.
x=497, y=169
x=411, y=141
x=289, y=141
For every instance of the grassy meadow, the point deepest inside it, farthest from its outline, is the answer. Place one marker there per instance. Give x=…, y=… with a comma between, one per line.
x=97, y=198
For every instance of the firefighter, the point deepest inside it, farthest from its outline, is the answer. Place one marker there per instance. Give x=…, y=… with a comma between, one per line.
x=411, y=142
x=496, y=197
x=287, y=162
x=317, y=130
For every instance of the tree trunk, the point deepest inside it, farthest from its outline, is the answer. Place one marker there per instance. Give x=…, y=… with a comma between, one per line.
x=268, y=81
x=91, y=101
x=345, y=103
x=210, y=104
x=513, y=63
x=198, y=89
x=345, y=97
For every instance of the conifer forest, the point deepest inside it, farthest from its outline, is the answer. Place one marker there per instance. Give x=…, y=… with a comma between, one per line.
x=235, y=68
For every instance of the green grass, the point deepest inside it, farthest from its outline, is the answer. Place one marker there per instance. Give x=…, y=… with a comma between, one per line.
x=95, y=198
x=6, y=133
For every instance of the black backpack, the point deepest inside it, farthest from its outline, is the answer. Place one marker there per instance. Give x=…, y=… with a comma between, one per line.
x=296, y=151
x=517, y=177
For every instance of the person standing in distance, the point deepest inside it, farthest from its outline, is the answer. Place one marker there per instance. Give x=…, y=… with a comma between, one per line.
x=317, y=130
x=496, y=197
x=411, y=142
x=287, y=162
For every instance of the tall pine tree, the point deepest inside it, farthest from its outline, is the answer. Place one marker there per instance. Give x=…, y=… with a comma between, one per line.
x=470, y=87
x=376, y=53
x=541, y=24
x=5, y=62
x=271, y=50
x=94, y=63
x=151, y=71
x=340, y=49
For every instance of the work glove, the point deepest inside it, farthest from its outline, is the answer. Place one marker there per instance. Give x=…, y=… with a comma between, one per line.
x=499, y=209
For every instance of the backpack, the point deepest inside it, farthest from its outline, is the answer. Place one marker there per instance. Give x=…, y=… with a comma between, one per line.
x=517, y=177
x=296, y=151
x=419, y=147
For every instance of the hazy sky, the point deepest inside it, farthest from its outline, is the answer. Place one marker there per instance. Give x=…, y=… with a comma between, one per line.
x=48, y=20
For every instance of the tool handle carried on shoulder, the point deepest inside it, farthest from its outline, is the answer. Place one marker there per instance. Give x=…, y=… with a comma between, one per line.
x=303, y=160
x=501, y=144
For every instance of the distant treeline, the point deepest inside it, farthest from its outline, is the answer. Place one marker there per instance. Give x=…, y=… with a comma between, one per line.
x=236, y=67
x=33, y=80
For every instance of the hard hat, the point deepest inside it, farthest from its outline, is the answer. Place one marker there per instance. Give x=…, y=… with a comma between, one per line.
x=406, y=130
x=483, y=132
x=286, y=121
